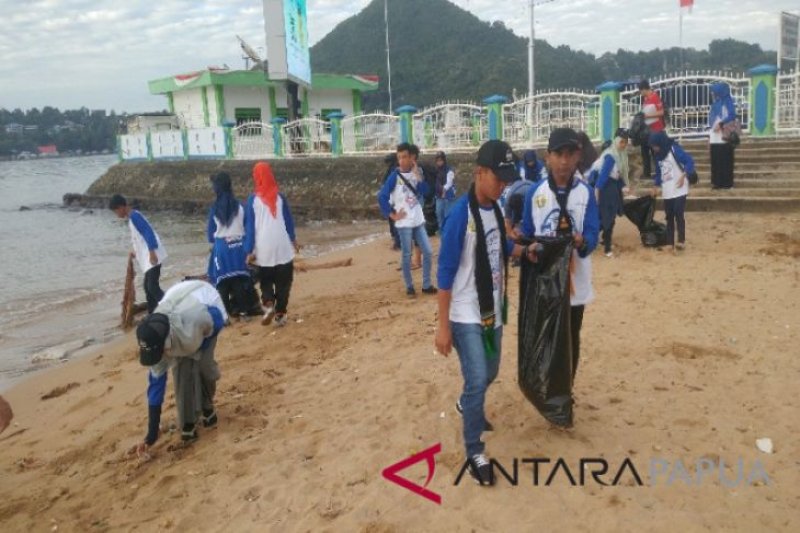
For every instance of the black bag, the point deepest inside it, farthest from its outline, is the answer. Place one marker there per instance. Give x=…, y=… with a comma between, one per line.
x=639, y=131
x=545, y=334
x=640, y=212
x=691, y=176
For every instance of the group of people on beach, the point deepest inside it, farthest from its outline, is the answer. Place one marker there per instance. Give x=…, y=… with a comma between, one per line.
x=250, y=241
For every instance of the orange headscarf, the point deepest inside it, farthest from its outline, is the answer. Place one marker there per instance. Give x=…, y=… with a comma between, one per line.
x=266, y=187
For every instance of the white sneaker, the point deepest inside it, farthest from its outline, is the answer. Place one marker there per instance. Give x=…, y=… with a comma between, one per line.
x=681, y=246
x=281, y=320
x=609, y=254
x=268, y=316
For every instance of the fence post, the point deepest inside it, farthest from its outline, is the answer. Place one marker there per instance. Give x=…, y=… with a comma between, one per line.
x=592, y=129
x=762, y=100
x=336, y=132
x=406, y=113
x=494, y=114
x=228, y=142
x=119, y=148
x=476, y=129
x=185, y=139
x=149, y=146
x=609, y=109
x=277, y=135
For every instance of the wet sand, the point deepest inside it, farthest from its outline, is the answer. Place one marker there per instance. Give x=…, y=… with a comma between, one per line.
x=685, y=358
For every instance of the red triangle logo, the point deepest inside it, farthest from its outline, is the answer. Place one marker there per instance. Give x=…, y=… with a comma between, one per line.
x=390, y=473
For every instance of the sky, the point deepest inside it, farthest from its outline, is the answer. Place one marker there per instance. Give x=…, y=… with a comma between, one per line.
x=101, y=53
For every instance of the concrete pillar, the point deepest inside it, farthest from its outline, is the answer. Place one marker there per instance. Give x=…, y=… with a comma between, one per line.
x=609, y=109
x=763, y=103
x=336, y=133
x=277, y=135
x=406, y=113
x=494, y=114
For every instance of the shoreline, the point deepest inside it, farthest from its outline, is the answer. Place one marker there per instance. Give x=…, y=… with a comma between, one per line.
x=683, y=357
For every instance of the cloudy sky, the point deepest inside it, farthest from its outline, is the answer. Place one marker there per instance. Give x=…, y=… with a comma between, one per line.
x=101, y=53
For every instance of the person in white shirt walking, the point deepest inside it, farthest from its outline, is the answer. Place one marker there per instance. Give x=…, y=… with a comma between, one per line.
x=473, y=295
x=673, y=167
x=147, y=248
x=270, y=243
x=400, y=199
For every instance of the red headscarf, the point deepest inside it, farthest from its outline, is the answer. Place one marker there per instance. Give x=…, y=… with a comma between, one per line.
x=266, y=187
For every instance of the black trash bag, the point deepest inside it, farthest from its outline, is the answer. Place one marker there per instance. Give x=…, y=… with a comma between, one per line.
x=640, y=212
x=429, y=210
x=545, y=338
x=639, y=130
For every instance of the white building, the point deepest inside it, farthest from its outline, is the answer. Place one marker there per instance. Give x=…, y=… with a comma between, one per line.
x=217, y=97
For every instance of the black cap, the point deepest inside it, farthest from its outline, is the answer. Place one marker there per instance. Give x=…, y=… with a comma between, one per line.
x=117, y=201
x=563, y=138
x=498, y=156
x=152, y=334
x=644, y=84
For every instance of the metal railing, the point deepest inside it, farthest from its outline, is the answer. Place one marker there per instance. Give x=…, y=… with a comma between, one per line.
x=371, y=133
x=253, y=140
x=688, y=99
x=306, y=137
x=787, y=108
x=528, y=121
x=450, y=126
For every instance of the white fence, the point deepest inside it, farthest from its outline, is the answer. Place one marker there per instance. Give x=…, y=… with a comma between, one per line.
x=450, y=126
x=787, y=108
x=369, y=134
x=528, y=121
x=253, y=140
x=167, y=144
x=207, y=143
x=306, y=137
x=133, y=147
x=688, y=98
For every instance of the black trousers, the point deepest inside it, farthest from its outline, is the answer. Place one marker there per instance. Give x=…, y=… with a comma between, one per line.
x=276, y=284
x=576, y=322
x=235, y=294
x=722, y=165
x=152, y=288
x=675, y=209
x=608, y=234
x=647, y=169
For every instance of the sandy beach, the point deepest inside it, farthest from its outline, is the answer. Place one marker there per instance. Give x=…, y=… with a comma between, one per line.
x=685, y=358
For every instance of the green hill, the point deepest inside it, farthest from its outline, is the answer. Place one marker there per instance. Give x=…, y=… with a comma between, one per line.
x=442, y=52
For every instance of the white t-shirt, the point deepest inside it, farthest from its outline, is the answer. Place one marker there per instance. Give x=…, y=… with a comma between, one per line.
x=139, y=244
x=273, y=246
x=235, y=230
x=670, y=176
x=464, y=305
x=402, y=199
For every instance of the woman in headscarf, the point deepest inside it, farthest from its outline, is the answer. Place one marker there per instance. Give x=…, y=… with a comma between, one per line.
x=270, y=243
x=673, y=165
x=723, y=111
x=227, y=269
x=612, y=178
x=588, y=153
x=530, y=168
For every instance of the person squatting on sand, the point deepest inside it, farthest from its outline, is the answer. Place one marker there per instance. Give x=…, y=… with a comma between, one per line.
x=400, y=199
x=147, y=248
x=181, y=334
x=565, y=205
x=227, y=267
x=473, y=282
x=270, y=243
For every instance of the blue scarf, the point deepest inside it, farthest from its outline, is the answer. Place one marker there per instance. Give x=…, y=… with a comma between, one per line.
x=664, y=143
x=226, y=205
x=722, y=98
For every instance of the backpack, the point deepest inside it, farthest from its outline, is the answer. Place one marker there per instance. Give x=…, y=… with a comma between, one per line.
x=639, y=132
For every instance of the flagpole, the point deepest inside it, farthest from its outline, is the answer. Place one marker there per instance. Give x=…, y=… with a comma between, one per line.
x=680, y=33
x=388, y=62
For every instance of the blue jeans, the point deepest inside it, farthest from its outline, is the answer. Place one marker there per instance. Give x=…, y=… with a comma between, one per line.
x=479, y=372
x=442, y=210
x=407, y=238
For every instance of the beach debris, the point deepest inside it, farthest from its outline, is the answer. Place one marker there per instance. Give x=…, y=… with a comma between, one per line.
x=302, y=266
x=128, y=296
x=6, y=414
x=765, y=445
x=62, y=351
x=441, y=415
x=60, y=391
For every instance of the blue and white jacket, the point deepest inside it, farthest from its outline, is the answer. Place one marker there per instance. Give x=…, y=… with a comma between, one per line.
x=456, y=270
x=395, y=196
x=144, y=239
x=540, y=219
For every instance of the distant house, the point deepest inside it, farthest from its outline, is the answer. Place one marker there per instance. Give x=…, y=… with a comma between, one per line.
x=14, y=128
x=145, y=122
x=32, y=128
x=48, y=150
x=216, y=97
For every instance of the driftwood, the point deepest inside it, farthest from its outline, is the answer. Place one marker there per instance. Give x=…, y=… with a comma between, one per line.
x=302, y=266
x=6, y=414
x=128, y=297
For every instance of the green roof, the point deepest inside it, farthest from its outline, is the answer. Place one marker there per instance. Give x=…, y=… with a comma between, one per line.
x=256, y=78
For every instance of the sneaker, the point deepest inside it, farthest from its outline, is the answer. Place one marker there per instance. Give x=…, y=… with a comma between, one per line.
x=189, y=433
x=681, y=246
x=487, y=427
x=609, y=254
x=481, y=470
x=430, y=290
x=410, y=292
x=268, y=316
x=281, y=320
x=209, y=418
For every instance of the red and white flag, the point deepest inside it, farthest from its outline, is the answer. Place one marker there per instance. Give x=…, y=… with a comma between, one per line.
x=687, y=3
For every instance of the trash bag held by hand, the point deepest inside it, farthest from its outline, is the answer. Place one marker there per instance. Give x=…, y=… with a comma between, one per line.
x=639, y=131
x=545, y=339
x=640, y=211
